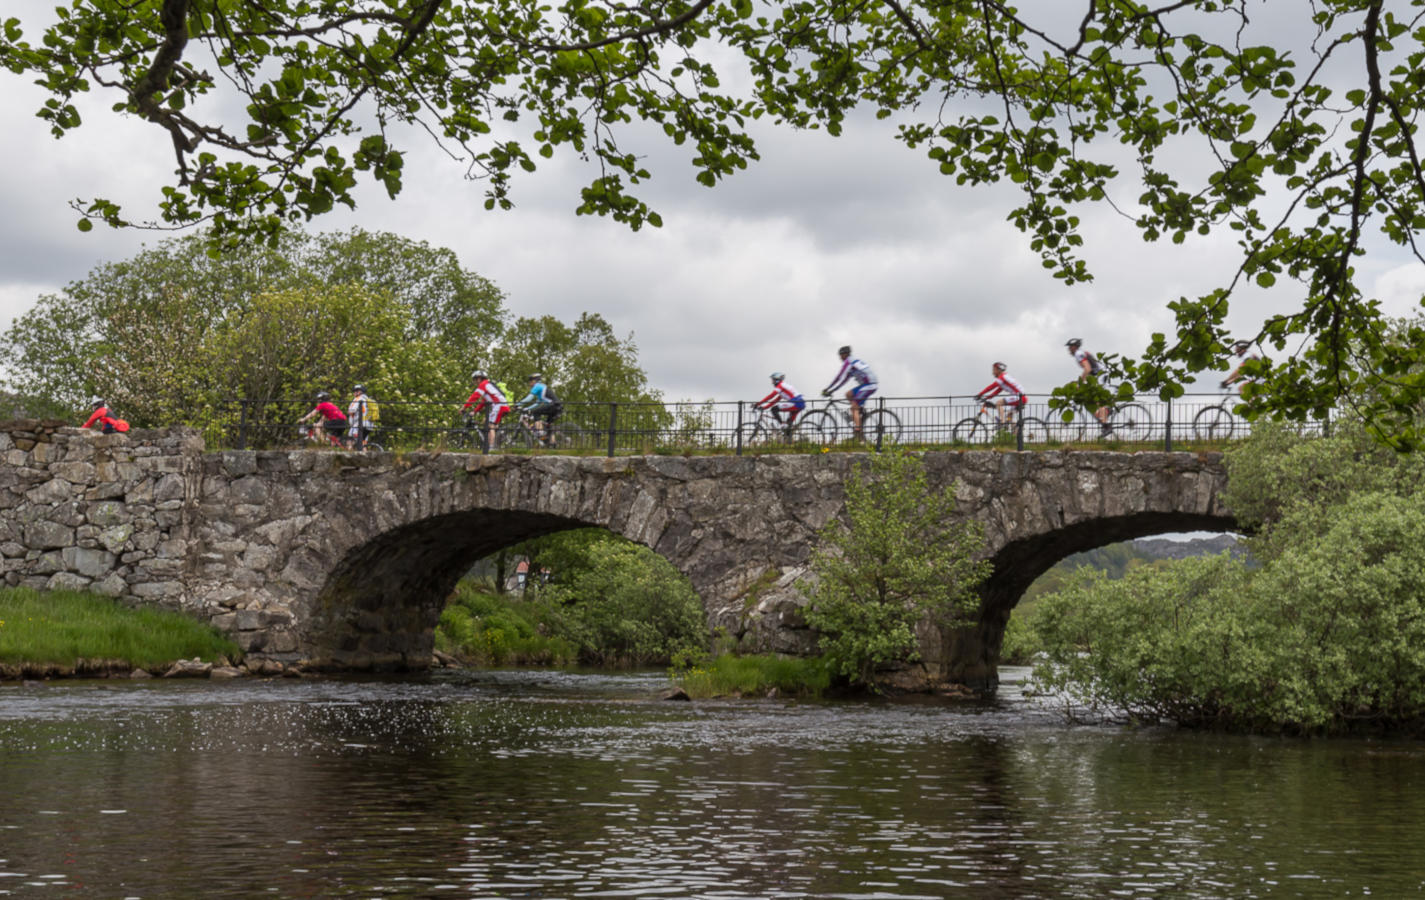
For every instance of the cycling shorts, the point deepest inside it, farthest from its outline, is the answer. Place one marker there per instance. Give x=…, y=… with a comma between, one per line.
x=862, y=391
x=546, y=411
x=334, y=427
x=496, y=413
x=795, y=403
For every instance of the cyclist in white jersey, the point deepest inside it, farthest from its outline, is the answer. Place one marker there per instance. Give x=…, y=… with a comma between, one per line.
x=1011, y=397
x=784, y=399
x=1089, y=367
x=853, y=369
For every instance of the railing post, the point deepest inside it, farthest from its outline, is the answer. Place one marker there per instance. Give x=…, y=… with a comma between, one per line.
x=737, y=435
x=880, y=421
x=1168, y=426
x=613, y=427
x=1326, y=423
x=242, y=425
x=1019, y=428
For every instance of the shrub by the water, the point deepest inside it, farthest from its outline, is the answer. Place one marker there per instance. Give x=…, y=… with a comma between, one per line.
x=61, y=627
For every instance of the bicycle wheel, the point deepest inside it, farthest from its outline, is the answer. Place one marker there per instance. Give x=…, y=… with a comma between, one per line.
x=1035, y=431
x=882, y=425
x=822, y=423
x=1213, y=423
x=569, y=436
x=462, y=439
x=1132, y=421
x=967, y=430
x=808, y=430
x=753, y=434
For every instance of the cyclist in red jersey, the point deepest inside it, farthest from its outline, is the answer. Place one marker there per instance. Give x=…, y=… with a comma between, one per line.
x=1011, y=396
x=783, y=399
x=487, y=394
x=333, y=419
x=103, y=419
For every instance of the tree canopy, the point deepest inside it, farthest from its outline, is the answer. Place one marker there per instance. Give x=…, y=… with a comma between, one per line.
x=1292, y=130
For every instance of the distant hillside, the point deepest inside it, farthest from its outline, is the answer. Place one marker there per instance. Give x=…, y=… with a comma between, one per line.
x=1161, y=548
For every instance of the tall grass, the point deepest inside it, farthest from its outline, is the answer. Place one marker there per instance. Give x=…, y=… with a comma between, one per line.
x=493, y=630
x=60, y=627
x=728, y=675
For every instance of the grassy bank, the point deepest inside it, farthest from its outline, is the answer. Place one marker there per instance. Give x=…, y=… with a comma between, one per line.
x=486, y=629
x=61, y=627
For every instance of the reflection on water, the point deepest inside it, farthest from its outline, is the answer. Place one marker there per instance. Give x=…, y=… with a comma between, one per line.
x=549, y=785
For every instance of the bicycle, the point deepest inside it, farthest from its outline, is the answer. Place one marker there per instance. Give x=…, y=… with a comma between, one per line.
x=877, y=424
x=1217, y=422
x=984, y=426
x=768, y=429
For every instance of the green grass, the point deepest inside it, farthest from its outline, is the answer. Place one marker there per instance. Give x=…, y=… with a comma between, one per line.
x=61, y=627
x=729, y=675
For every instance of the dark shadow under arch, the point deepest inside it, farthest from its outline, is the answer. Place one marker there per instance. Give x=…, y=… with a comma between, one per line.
x=380, y=604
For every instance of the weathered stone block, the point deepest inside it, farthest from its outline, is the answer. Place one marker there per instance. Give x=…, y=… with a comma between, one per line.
x=112, y=586
x=74, y=472
x=169, y=487
x=113, y=539
x=237, y=463
x=46, y=535
x=54, y=491
x=158, y=590
x=89, y=563
x=107, y=513
x=66, y=581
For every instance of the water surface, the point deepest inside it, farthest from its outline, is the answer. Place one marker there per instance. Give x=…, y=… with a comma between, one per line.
x=518, y=784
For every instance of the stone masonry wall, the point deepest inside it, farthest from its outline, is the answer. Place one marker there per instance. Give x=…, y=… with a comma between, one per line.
x=103, y=513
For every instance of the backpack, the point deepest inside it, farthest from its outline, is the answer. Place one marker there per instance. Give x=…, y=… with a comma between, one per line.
x=1094, y=365
x=549, y=395
x=373, y=413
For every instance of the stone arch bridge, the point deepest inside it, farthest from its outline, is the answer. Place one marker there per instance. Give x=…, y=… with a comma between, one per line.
x=345, y=560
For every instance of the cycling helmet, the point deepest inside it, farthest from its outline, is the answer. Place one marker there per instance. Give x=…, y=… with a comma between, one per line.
x=845, y=351
x=323, y=395
x=1000, y=367
x=96, y=401
x=1241, y=347
x=536, y=377
x=477, y=375
x=359, y=389
x=777, y=377
x=1073, y=343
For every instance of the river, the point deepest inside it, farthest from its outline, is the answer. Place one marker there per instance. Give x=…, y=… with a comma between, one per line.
x=539, y=784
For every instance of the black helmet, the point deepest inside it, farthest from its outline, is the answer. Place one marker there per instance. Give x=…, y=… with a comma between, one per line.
x=359, y=389
x=323, y=395
x=1073, y=343
x=845, y=351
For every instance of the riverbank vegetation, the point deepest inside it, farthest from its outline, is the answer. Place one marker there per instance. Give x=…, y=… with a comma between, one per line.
x=60, y=628
x=755, y=675
x=1322, y=632
x=607, y=602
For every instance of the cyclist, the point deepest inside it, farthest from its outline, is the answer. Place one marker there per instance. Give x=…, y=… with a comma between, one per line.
x=865, y=385
x=1090, y=367
x=486, y=394
x=783, y=399
x=361, y=413
x=541, y=404
x=333, y=420
x=1013, y=398
x=1240, y=350
x=102, y=418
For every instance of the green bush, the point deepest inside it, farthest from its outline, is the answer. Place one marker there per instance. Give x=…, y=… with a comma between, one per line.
x=495, y=630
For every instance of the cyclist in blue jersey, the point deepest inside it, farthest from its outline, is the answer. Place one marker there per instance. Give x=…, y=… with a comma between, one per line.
x=541, y=404
x=853, y=369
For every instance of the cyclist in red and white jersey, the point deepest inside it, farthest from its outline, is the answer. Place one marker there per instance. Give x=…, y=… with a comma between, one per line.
x=487, y=394
x=853, y=369
x=1241, y=351
x=783, y=399
x=1011, y=396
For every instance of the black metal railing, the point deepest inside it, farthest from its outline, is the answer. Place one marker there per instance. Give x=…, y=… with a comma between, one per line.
x=626, y=428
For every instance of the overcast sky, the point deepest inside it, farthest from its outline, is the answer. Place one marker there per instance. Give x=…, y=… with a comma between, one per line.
x=825, y=241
